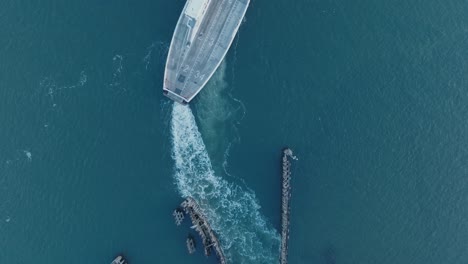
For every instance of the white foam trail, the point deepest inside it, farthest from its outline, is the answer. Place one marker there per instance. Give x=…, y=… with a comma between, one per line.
x=28, y=154
x=83, y=78
x=49, y=84
x=160, y=48
x=149, y=51
x=118, y=68
x=81, y=82
x=233, y=212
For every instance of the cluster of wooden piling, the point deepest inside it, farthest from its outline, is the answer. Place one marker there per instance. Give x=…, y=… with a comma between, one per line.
x=201, y=225
x=285, y=203
x=191, y=244
x=178, y=216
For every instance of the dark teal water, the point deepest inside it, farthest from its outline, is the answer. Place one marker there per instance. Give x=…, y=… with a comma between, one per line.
x=372, y=96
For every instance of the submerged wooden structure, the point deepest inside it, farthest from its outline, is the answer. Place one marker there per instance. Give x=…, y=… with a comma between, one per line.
x=200, y=223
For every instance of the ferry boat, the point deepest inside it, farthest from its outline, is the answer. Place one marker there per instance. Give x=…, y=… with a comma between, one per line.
x=203, y=34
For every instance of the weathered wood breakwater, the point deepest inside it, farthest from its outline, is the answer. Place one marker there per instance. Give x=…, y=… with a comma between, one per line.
x=285, y=203
x=201, y=225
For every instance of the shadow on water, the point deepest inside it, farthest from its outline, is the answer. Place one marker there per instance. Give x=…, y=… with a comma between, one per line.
x=213, y=110
x=218, y=113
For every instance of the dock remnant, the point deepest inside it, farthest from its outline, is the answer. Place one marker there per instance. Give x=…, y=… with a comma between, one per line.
x=200, y=224
x=178, y=215
x=119, y=260
x=285, y=203
x=191, y=244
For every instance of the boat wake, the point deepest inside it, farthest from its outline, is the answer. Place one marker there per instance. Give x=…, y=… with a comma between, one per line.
x=233, y=211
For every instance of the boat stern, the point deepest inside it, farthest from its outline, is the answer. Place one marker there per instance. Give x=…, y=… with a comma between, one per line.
x=174, y=97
